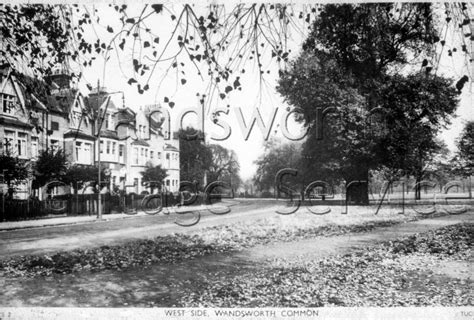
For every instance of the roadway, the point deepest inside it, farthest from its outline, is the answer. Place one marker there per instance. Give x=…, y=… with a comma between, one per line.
x=97, y=233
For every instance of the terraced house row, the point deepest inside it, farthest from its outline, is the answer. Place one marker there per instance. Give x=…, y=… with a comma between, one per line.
x=36, y=115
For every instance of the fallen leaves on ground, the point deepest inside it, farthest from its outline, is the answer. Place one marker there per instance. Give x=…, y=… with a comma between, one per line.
x=395, y=273
x=177, y=247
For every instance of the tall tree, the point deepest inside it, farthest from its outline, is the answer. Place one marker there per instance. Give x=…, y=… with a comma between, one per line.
x=414, y=110
x=465, y=155
x=352, y=51
x=195, y=156
x=276, y=156
x=224, y=166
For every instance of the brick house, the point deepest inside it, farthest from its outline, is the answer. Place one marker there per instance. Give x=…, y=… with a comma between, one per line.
x=36, y=115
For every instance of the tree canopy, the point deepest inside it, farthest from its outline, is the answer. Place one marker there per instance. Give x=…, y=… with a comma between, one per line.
x=82, y=174
x=276, y=156
x=50, y=165
x=13, y=169
x=224, y=166
x=34, y=37
x=195, y=157
x=199, y=160
x=153, y=176
x=465, y=154
x=223, y=41
x=362, y=113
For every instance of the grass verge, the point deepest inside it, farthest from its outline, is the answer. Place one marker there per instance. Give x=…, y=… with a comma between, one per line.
x=395, y=273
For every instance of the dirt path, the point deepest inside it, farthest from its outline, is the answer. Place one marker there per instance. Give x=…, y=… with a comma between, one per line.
x=164, y=284
x=320, y=247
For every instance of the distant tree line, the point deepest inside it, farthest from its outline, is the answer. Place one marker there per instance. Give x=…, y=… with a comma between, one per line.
x=204, y=163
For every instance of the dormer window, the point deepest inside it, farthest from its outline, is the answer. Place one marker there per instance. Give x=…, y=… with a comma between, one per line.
x=111, y=122
x=7, y=103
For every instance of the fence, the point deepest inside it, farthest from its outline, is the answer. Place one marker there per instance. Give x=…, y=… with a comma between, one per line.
x=75, y=204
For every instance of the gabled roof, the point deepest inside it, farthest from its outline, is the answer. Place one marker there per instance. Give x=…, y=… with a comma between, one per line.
x=125, y=114
x=95, y=101
x=41, y=95
x=62, y=101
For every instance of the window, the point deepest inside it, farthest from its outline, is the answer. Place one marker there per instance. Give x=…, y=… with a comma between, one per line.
x=34, y=147
x=107, y=121
x=86, y=153
x=167, y=182
x=135, y=155
x=8, y=141
x=108, y=147
x=54, y=145
x=121, y=152
x=167, y=156
x=76, y=118
x=111, y=122
x=113, y=147
x=151, y=154
x=83, y=153
x=158, y=155
x=135, y=183
x=8, y=103
x=78, y=151
x=54, y=125
x=102, y=147
x=146, y=153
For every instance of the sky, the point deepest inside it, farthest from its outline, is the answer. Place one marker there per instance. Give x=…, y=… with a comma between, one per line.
x=115, y=73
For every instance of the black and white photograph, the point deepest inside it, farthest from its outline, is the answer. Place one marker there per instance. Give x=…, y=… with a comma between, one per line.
x=236, y=160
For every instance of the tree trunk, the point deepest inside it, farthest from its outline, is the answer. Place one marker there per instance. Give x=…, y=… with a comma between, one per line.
x=358, y=184
x=417, y=188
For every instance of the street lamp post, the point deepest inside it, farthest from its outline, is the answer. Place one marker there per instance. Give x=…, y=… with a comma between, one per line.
x=99, y=198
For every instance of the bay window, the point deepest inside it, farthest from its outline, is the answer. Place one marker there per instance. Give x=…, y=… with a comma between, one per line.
x=34, y=147
x=8, y=141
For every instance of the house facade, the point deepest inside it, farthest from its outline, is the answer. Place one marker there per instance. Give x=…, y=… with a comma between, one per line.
x=37, y=115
